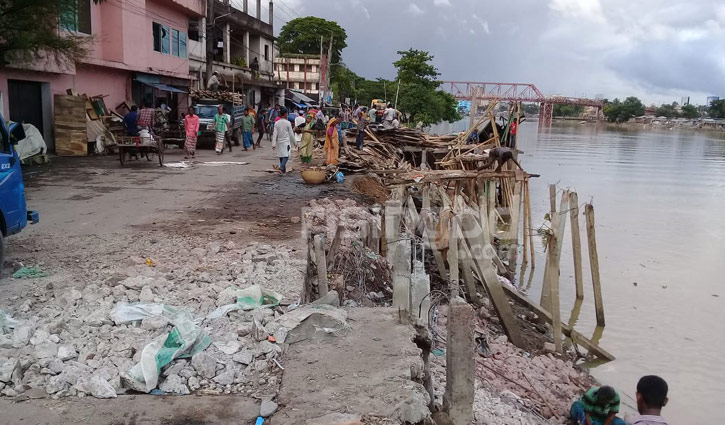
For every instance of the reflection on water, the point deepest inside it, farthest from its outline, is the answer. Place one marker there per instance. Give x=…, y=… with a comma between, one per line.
x=660, y=214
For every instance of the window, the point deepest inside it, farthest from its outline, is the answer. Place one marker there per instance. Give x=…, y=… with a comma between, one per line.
x=194, y=29
x=162, y=39
x=182, y=45
x=266, y=52
x=75, y=16
x=178, y=43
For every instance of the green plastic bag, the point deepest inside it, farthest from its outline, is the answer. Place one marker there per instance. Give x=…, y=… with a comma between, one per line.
x=248, y=299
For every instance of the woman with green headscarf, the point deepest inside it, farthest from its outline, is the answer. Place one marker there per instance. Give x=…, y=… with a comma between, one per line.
x=308, y=139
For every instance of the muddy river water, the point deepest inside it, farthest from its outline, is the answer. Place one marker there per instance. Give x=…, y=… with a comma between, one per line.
x=659, y=199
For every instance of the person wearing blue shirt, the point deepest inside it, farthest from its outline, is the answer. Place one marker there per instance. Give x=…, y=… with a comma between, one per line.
x=130, y=121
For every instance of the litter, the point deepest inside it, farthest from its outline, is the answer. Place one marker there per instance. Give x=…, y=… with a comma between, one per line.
x=7, y=323
x=217, y=163
x=184, y=340
x=248, y=299
x=182, y=164
x=304, y=322
x=30, y=272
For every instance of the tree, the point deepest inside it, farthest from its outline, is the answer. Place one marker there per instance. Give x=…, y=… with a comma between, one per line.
x=618, y=111
x=344, y=82
x=530, y=108
x=667, y=111
x=33, y=28
x=568, y=110
x=419, y=97
x=717, y=109
x=689, y=111
x=302, y=35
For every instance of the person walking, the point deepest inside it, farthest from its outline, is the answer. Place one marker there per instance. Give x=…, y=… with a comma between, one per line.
x=332, y=142
x=299, y=122
x=261, y=126
x=362, y=124
x=307, y=139
x=388, y=117
x=283, y=136
x=248, y=130
x=191, y=126
x=221, y=125
x=228, y=134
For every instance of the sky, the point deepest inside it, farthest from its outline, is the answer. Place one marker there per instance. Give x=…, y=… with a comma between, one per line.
x=657, y=50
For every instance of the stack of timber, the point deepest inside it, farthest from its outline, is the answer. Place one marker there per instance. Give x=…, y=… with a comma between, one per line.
x=224, y=96
x=88, y=121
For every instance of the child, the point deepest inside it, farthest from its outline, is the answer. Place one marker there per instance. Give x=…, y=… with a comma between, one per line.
x=598, y=406
x=651, y=398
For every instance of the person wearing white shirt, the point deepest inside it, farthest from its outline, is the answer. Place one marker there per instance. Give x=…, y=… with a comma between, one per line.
x=388, y=117
x=282, y=139
x=299, y=120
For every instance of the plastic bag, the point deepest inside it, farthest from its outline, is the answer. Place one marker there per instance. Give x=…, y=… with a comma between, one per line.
x=339, y=177
x=248, y=299
x=184, y=340
x=7, y=323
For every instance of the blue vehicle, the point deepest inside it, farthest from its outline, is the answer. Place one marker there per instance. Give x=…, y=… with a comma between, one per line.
x=14, y=215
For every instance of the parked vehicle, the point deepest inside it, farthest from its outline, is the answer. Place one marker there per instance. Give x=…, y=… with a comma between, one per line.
x=207, y=108
x=14, y=215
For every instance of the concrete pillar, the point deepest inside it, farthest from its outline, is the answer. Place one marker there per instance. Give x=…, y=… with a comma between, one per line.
x=401, y=274
x=460, y=363
x=245, y=6
x=420, y=287
x=227, y=43
x=202, y=38
x=259, y=9
x=271, y=15
x=246, y=47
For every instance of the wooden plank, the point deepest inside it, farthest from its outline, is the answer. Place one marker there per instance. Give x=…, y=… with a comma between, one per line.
x=552, y=262
x=491, y=205
x=530, y=226
x=466, y=264
x=335, y=245
x=321, y=263
x=594, y=263
x=554, y=217
x=575, y=336
x=474, y=237
x=453, y=257
x=429, y=230
x=71, y=138
x=393, y=210
x=512, y=235
x=576, y=244
x=563, y=208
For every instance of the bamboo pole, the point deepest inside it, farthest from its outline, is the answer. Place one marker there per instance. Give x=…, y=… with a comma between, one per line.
x=453, y=257
x=594, y=263
x=576, y=244
x=553, y=277
x=530, y=225
x=554, y=217
x=525, y=220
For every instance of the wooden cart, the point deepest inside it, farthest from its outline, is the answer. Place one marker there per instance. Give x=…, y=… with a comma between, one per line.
x=134, y=146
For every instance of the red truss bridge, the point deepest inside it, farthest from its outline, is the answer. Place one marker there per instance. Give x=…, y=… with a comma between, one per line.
x=515, y=92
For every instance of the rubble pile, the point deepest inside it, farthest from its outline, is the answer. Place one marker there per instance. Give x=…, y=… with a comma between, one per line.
x=65, y=341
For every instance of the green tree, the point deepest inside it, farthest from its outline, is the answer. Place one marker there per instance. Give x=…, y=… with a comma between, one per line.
x=367, y=90
x=302, y=35
x=568, y=110
x=530, y=108
x=29, y=28
x=667, y=111
x=689, y=111
x=344, y=82
x=618, y=111
x=419, y=97
x=717, y=109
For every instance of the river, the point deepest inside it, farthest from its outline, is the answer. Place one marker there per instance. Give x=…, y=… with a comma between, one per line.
x=660, y=215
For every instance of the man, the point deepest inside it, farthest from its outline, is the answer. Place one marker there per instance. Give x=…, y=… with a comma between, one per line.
x=513, y=132
x=228, y=134
x=362, y=124
x=220, y=126
x=146, y=117
x=373, y=113
x=500, y=155
x=651, y=398
x=261, y=125
x=248, y=130
x=282, y=139
x=388, y=117
x=213, y=83
x=130, y=121
x=598, y=406
x=255, y=68
x=191, y=128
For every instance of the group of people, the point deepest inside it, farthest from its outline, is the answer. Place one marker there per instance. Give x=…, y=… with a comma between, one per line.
x=135, y=120
x=600, y=405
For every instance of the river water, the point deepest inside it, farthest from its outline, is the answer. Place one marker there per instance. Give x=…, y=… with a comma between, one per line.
x=659, y=199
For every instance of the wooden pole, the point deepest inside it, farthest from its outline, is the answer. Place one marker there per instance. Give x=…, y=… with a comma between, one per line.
x=491, y=205
x=393, y=210
x=429, y=230
x=594, y=263
x=321, y=265
x=576, y=244
x=525, y=220
x=554, y=216
x=453, y=257
x=335, y=245
x=563, y=207
x=552, y=262
x=466, y=263
x=530, y=226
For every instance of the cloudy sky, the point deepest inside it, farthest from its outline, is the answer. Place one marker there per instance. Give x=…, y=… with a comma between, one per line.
x=659, y=50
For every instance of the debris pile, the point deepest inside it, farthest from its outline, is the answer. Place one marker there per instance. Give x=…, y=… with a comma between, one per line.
x=108, y=337
x=224, y=96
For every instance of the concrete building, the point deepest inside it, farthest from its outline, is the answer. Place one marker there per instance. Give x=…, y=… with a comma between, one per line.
x=239, y=38
x=299, y=72
x=139, y=51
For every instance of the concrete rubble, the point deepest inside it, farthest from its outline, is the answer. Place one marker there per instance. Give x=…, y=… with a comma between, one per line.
x=66, y=343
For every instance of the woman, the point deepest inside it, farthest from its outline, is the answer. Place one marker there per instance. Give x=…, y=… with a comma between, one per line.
x=191, y=125
x=308, y=139
x=220, y=129
x=332, y=141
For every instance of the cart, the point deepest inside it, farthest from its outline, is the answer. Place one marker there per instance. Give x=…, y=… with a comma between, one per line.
x=139, y=147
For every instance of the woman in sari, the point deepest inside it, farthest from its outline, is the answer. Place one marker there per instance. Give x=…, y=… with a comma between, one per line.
x=332, y=141
x=308, y=139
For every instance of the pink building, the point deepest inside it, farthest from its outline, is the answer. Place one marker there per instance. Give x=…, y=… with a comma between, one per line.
x=139, y=51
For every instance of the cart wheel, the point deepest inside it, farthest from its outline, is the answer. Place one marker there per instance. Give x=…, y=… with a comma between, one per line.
x=122, y=156
x=149, y=156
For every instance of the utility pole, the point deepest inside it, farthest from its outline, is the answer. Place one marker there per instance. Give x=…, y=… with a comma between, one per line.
x=329, y=65
x=209, y=39
x=320, y=94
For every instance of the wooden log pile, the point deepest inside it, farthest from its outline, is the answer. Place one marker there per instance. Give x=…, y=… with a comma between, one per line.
x=224, y=96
